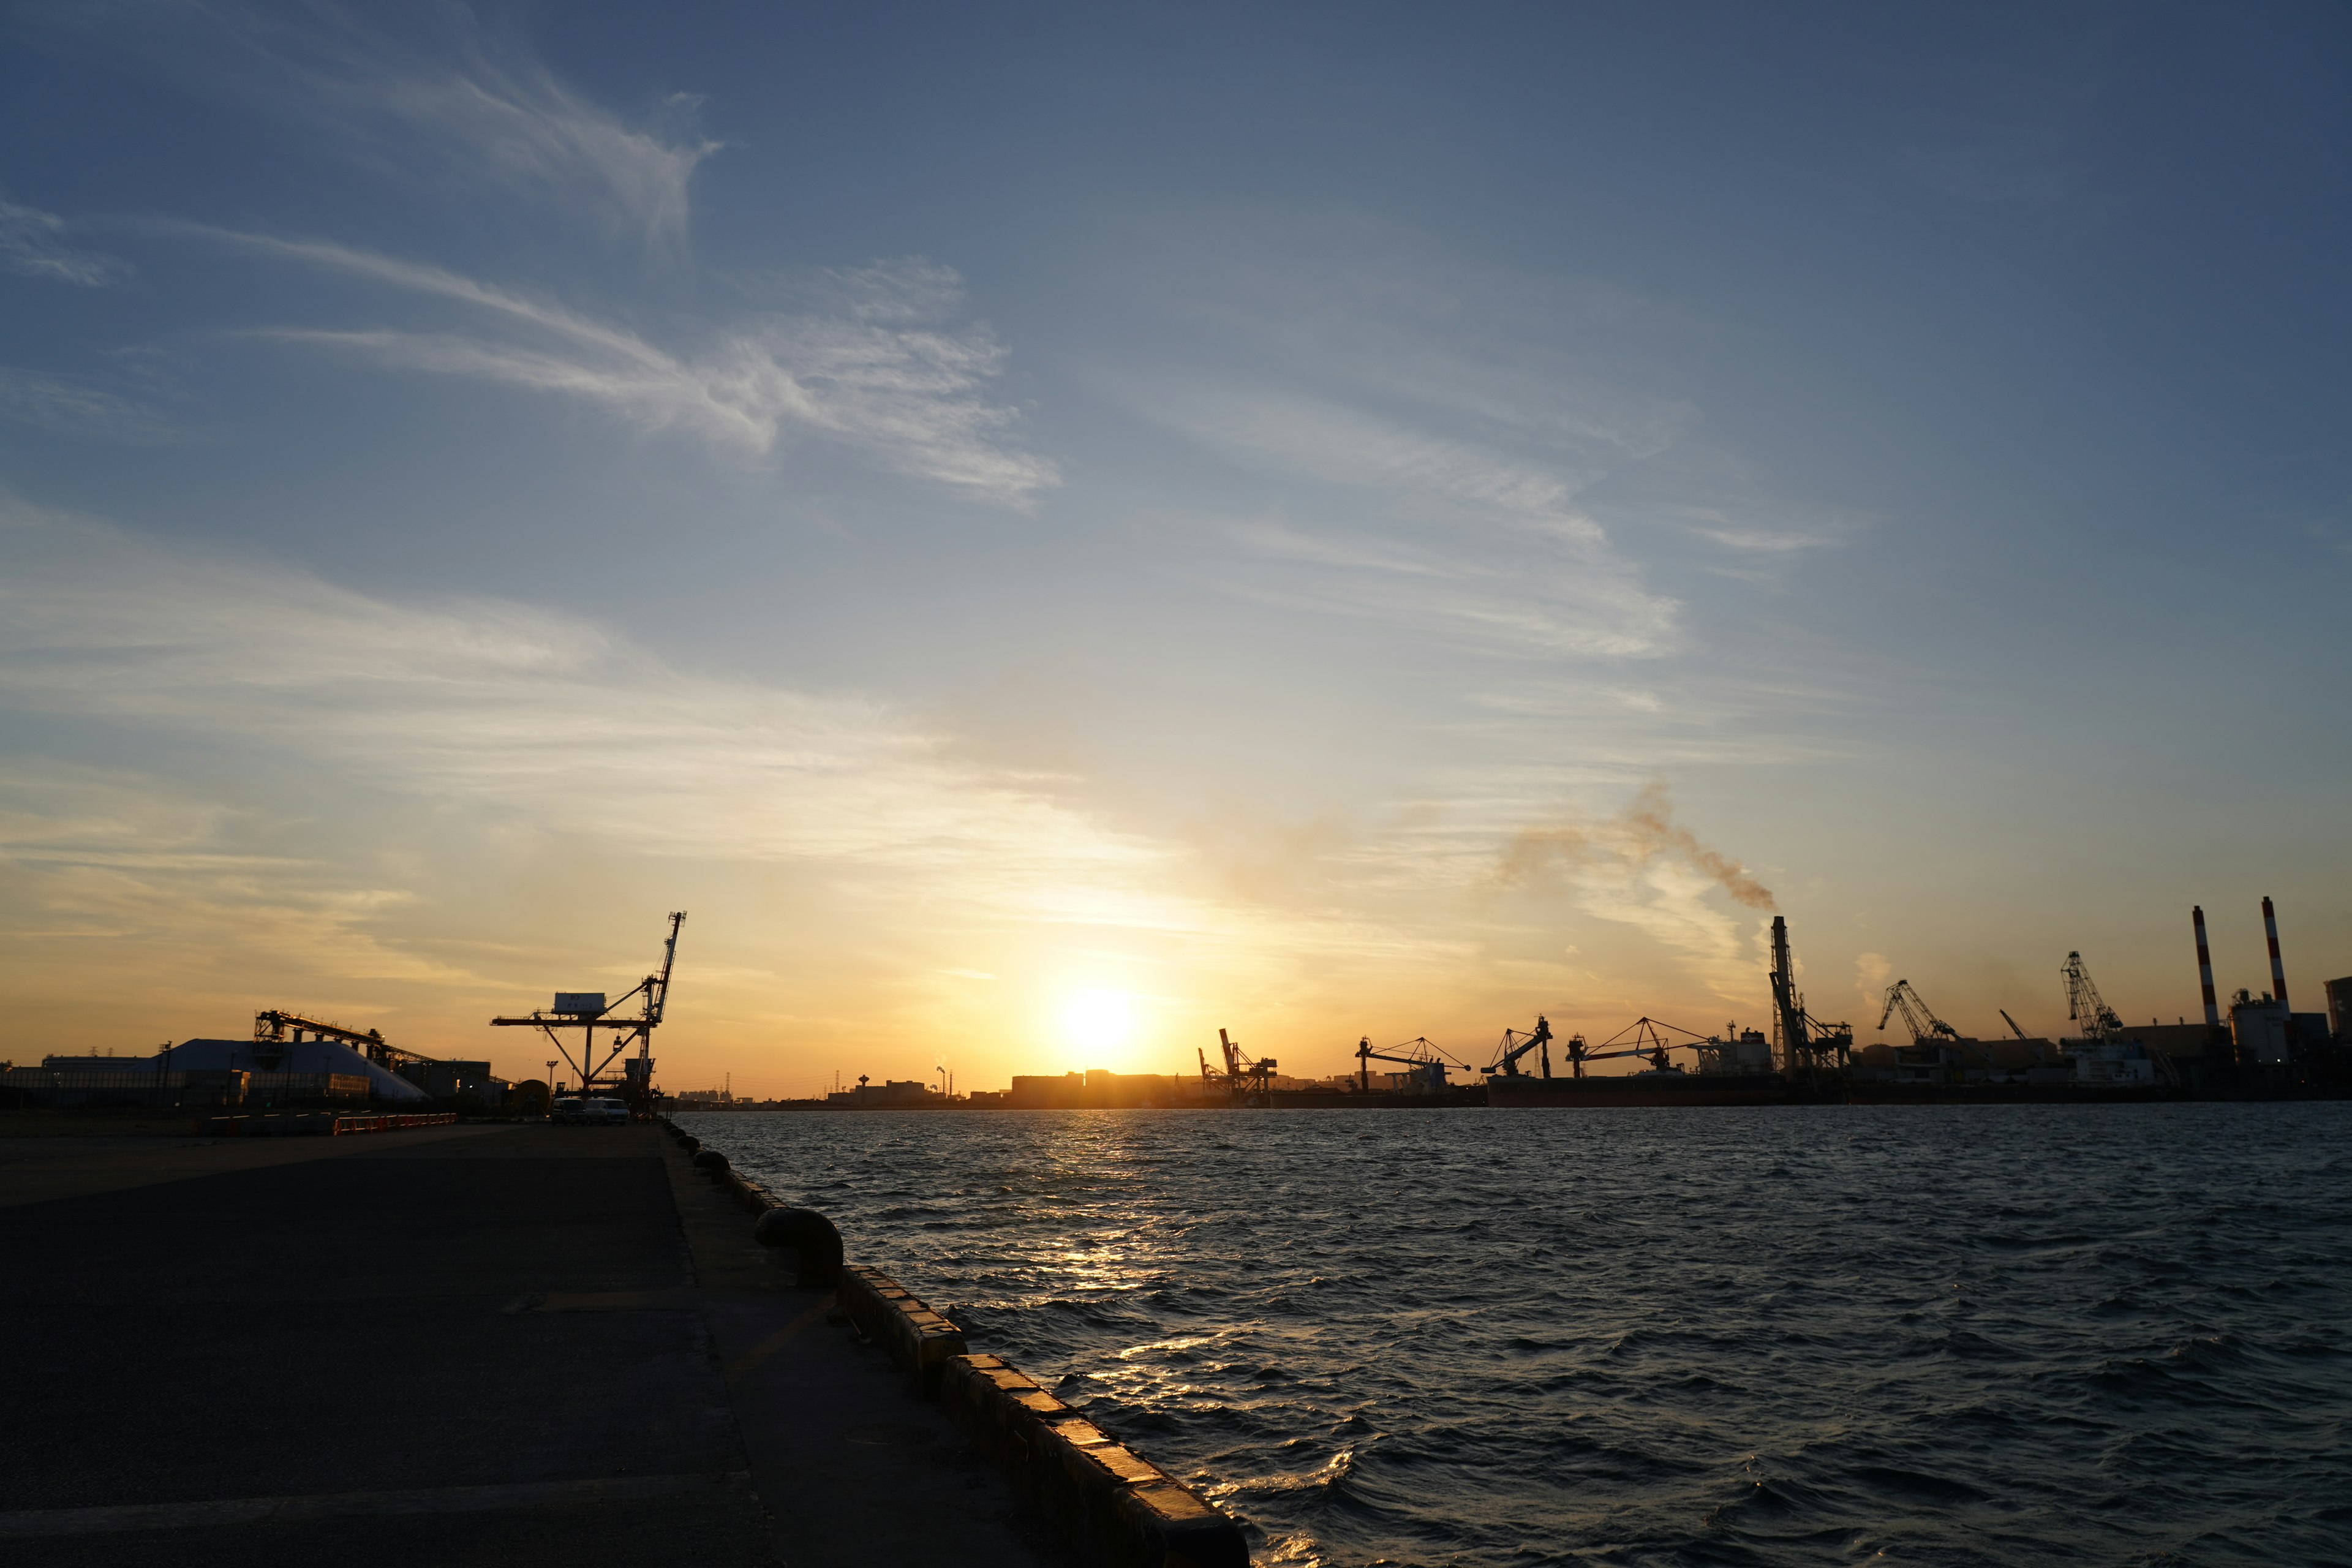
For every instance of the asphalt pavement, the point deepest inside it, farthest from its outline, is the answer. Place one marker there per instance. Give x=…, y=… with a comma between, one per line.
x=495, y=1345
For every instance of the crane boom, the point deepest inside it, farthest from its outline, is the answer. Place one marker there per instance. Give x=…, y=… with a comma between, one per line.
x=1243, y=1075
x=1420, y=1053
x=1917, y=1016
x=1801, y=1039
x=1514, y=1045
x=2085, y=1006
x=637, y=1073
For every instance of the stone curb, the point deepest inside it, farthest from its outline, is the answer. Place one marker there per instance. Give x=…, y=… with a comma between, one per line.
x=1111, y=1504
x=918, y=1339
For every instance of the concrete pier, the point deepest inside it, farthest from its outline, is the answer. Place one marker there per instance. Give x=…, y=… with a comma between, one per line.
x=510, y=1345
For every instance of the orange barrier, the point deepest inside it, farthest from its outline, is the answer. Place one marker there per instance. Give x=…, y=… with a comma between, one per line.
x=344, y=1124
x=314, y=1124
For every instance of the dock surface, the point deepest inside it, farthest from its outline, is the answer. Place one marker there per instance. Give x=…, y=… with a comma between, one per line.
x=473, y=1344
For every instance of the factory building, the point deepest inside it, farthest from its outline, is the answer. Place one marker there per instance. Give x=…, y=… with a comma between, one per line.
x=454, y=1080
x=214, y=1071
x=1096, y=1090
x=874, y=1096
x=314, y=1061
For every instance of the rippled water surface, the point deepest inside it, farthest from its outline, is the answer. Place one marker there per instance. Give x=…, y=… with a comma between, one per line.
x=2109, y=1334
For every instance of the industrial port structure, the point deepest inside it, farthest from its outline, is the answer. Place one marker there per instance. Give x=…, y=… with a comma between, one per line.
x=2258, y=1048
x=297, y=1061
x=2262, y=1050
x=589, y=1011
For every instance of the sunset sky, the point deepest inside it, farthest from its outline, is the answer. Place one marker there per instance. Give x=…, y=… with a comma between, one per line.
x=1051, y=532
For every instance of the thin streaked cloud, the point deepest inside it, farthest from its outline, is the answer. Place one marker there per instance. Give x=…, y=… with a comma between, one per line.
x=887, y=372
x=32, y=244
x=529, y=713
x=74, y=407
x=1445, y=536
x=447, y=100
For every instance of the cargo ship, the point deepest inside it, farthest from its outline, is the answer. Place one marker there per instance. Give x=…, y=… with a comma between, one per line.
x=1671, y=1086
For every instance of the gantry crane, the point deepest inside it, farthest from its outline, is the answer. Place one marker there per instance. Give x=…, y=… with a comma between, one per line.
x=1917, y=1016
x=2090, y=1014
x=2098, y=1022
x=1420, y=1055
x=1645, y=1038
x=1242, y=1077
x=1515, y=1044
x=1803, y=1040
x=588, y=1012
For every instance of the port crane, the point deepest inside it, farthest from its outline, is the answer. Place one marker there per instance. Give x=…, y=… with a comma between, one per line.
x=1645, y=1038
x=2099, y=1022
x=2038, y=1054
x=1515, y=1044
x=1917, y=1016
x=274, y=1027
x=2084, y=1005
x=1241, y=1076
x=1927, y=1029
x=1801, y=1039
x=1420, y=1056
x=588, y=1011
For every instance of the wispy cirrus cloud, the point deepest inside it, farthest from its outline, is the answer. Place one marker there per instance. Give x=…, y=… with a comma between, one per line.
x=32, y=244
x=884, y=370
x=519, y=710
x=72, y=405
x=431, y=93
x=1448, y=536
x=1499, y=461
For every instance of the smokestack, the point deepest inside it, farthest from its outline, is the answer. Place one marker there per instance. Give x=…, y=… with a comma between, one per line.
x=2205, y=969
x=2278, y=971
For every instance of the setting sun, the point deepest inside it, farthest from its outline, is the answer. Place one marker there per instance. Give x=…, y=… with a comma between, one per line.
x=1100, y=1020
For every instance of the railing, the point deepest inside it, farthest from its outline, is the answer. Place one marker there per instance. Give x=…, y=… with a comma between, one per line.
x=316, y=1124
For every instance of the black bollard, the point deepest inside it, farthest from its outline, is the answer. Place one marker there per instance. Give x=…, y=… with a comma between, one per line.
x=812, y=1237
x=710, y=1162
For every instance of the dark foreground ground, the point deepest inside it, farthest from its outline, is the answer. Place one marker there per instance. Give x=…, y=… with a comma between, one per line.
x=510, y=1345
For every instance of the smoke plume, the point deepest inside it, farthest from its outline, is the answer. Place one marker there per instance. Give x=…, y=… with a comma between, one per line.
x=1640, y=834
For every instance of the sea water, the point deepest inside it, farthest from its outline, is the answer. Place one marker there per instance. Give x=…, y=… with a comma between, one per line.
x=2100, y=1335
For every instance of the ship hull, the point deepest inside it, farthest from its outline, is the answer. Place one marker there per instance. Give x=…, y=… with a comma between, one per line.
x=1646, y=1088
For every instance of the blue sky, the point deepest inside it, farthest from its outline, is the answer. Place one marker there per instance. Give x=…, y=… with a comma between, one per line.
x=1322, y=521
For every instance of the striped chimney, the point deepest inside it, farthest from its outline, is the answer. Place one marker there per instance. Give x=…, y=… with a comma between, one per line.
x=2278, y=970
x=2205, y=968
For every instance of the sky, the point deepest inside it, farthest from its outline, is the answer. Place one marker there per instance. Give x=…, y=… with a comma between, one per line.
x=1050, y=531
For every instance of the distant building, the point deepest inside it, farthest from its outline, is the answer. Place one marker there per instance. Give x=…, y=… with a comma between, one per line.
x=869, y=1096
x=1095, y=1089
x=2180, y=1042
x=2339, y=1007
x=456, y=1080
x=1950, y=1061
x=2259, y=1029
x=276, y=1070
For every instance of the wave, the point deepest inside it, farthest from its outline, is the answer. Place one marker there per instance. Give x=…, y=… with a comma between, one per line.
x=1738, y=1337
